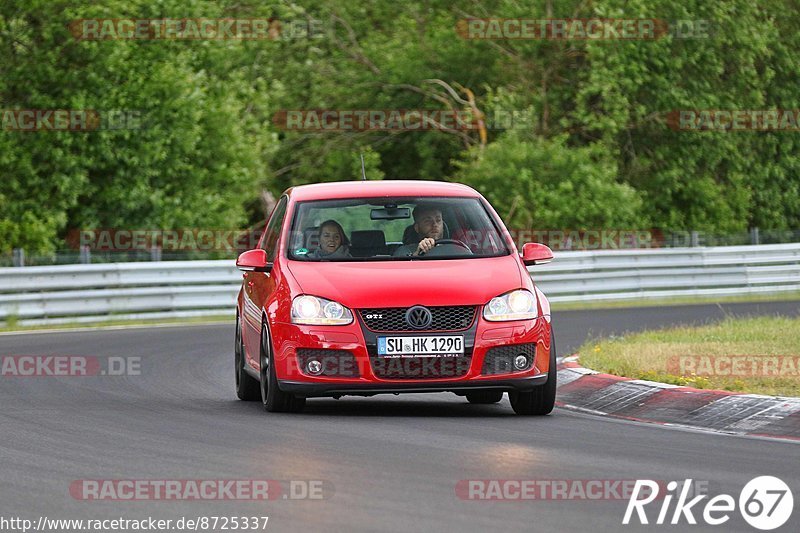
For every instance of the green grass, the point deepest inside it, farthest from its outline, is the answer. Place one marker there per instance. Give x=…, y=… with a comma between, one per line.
x=647, y=355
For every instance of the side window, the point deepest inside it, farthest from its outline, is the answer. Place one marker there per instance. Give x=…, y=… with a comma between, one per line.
x=273, y=230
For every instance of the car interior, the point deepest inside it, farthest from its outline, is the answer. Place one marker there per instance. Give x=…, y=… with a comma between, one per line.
x=366, y=242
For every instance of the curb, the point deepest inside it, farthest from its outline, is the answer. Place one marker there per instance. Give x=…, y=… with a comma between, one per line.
x=754, y=415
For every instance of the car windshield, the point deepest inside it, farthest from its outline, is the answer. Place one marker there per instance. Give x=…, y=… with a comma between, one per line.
x=390, y=229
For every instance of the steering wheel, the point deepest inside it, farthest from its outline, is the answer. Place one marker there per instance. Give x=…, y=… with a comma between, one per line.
x=455, y=242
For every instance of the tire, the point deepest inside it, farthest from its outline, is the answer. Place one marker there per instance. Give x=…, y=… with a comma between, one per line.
x=485, y=396
x=273, y=399
x=247, y=388
x=541, y=400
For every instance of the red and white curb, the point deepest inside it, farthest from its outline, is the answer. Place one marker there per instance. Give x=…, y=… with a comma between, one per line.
x=585, y=390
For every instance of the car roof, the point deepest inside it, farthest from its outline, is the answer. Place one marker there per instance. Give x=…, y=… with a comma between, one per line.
x=367, y=189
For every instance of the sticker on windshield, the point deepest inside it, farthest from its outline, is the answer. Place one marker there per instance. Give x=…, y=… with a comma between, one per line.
x=301, y=251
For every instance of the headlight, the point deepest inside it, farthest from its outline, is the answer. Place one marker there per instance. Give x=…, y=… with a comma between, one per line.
x=311, y=310
x=515, y=305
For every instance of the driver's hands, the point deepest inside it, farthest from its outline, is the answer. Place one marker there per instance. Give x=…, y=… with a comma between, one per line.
x=425, y=246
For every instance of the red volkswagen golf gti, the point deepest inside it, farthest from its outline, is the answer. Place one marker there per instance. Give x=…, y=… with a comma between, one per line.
x=362, y=288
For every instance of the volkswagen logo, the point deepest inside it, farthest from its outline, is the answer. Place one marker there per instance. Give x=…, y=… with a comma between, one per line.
x=419, y=317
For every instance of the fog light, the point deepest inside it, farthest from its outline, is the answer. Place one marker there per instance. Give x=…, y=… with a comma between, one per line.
x=314, y=367
x=521, y=362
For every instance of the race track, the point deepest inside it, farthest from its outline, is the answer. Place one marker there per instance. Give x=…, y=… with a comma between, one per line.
x=388, y=463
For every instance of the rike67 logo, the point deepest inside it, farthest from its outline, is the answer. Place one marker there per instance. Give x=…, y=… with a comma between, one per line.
x=765, y=503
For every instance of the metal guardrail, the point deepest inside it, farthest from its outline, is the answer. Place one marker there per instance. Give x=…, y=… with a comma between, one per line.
x=98, y=292
x=667, y=273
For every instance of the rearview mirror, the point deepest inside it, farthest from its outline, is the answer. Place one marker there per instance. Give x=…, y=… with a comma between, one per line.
x=534, y=253
x=253, y=261
x=390, y=213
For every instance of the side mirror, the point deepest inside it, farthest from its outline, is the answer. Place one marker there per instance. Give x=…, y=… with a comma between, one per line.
x=534, y=253
x=253, y=261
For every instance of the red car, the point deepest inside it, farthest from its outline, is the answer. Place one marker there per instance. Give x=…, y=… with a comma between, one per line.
x=369, y=287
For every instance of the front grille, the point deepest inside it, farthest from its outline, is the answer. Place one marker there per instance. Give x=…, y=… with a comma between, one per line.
x=420, y=367
x=450, y=318
x=335, y=363
x=500, y=360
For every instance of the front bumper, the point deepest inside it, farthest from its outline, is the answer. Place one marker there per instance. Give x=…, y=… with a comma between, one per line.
x=482, y=336
x=310, y=390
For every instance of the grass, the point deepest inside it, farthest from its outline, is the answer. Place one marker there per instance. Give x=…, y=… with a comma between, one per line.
x=647, y=355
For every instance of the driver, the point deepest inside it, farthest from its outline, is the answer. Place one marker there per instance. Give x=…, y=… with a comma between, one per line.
x=429, y=226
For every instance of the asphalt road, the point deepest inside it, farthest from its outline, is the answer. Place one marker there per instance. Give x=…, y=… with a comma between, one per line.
x=387, y=463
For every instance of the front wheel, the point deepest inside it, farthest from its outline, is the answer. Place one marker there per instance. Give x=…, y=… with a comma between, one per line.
x=273, y=399
x=542, y=399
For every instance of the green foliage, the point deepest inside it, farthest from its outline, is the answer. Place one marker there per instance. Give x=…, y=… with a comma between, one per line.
x=712, y=181
x=195, y=160
x=543, y=183
x=596, y=151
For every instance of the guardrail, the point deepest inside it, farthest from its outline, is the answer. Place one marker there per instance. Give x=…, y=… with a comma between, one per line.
x=123, y=291
x=667, y=273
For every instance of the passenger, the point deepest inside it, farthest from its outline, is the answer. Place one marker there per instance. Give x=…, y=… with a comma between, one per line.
x=333, y=243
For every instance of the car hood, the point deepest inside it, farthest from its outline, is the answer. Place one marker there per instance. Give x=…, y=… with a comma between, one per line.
x=405, y=283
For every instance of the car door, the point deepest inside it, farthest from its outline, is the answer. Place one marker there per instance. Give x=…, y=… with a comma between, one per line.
x=258, y=286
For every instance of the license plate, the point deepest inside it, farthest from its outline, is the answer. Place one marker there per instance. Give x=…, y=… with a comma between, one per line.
x=428, y=346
